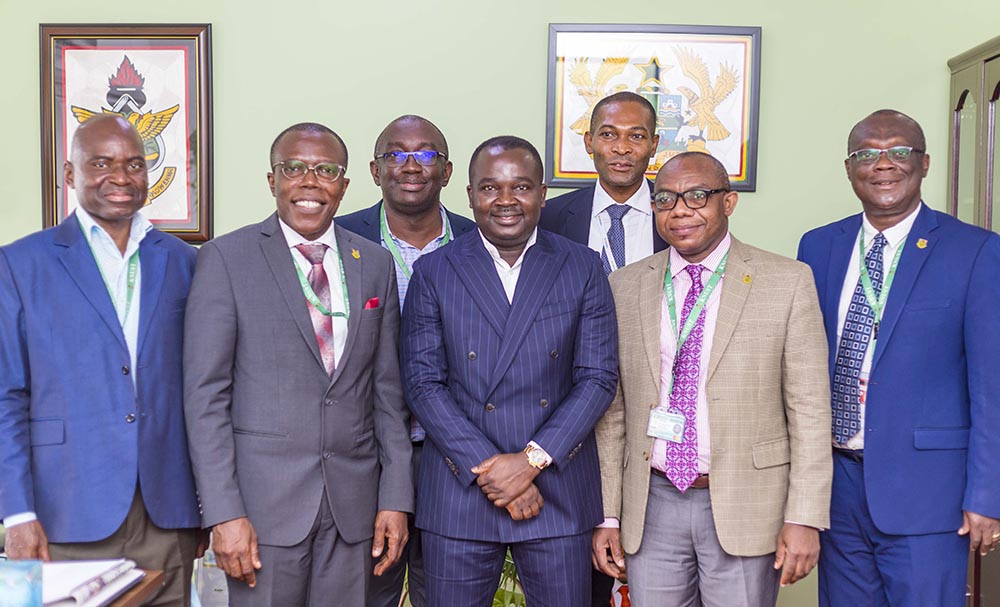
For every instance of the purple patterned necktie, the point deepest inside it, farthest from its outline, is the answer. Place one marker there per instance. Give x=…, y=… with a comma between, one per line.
x=682, y=458
x=322, y=324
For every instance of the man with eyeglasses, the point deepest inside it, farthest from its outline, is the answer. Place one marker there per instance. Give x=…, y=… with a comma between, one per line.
x=715, y=476
x=910, y=297
x=411, y=166
x=298, y=429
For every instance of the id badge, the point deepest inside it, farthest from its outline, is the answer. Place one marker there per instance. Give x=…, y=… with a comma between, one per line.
x=862, y=388
x=666, y=425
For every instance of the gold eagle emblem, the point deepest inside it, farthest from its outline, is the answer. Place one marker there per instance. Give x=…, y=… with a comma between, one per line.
x=593, y=88
x=703, y=104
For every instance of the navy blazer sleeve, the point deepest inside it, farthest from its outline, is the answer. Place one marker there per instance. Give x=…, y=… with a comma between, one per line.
x=16, y=487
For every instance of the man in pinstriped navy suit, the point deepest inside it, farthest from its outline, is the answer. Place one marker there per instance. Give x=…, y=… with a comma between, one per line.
x=509, y=357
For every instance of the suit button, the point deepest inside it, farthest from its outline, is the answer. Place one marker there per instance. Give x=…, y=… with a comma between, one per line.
x=554, y=354
x=645, y=455
x=125, y=370
x=543, y=403
x=328, y=402
x=652, y=406
x=327, y=455
x=130, y=418
x=490, y=407
x=472, y=356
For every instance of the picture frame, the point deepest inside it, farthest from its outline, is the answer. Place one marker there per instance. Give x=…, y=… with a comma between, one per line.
x=703, y=81
x=160, y=78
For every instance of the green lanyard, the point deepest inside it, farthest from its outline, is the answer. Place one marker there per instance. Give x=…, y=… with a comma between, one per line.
x=133, y=273
x=307, y=289
x=699, y=305
x=877, y=304
x=390, y=242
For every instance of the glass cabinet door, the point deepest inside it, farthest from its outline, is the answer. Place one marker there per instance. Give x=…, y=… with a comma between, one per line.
x=992, y=146
x=966, y=91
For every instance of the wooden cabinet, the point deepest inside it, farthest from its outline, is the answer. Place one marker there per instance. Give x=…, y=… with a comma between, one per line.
x=974, y=197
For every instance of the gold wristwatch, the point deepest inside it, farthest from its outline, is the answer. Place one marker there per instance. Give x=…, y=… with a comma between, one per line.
x=536, y=457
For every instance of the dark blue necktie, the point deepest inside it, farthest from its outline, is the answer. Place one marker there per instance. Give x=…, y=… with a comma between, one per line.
x=854, y=339
x=616, y=236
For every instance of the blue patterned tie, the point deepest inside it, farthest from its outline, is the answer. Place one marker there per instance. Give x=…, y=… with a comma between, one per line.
x=616, y=236
x=854, y=340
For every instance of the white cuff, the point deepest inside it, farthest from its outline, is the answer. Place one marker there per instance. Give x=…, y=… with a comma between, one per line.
x=609, y=523
x=17, y=519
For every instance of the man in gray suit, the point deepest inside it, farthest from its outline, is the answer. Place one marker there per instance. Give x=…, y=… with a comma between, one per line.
x=299, y=435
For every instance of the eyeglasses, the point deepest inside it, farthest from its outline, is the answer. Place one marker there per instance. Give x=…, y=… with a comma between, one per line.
x=665, y=200
x=423, y=157
x=296, y=169
x=897, y=154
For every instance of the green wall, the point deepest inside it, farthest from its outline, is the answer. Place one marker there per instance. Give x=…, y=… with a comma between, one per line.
x=478, y=69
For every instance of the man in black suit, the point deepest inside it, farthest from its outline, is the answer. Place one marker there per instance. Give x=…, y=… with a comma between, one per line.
x=613, y=216
x=411, y=167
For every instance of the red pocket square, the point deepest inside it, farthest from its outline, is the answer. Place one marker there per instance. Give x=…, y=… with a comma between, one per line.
x=371, y=304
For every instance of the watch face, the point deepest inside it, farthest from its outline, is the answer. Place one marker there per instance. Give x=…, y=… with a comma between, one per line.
x=535, y=458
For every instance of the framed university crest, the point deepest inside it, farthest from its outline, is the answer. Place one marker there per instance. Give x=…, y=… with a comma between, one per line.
x=703, y=81
x=159, y=78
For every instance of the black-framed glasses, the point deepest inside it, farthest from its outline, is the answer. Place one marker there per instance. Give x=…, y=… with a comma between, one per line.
x=666, y=200
x=896, y=154
x=296, y=169
x=423, y=157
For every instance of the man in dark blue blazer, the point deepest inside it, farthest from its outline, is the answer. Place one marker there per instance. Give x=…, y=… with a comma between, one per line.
x=411, y=167
x=910, y=298
x=93, y=450
x=622, y=139
x=509, y=360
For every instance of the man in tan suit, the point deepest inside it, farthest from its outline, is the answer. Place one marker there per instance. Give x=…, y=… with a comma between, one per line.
x=715, y=454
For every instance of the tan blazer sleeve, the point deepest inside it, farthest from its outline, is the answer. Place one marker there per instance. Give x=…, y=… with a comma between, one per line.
x=611, y=451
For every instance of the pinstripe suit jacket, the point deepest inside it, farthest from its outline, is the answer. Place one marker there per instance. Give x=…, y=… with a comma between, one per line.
x=485, y=377
x=768, y=401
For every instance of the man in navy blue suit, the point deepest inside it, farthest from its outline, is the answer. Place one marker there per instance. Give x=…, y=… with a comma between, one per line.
x=411, y=167
x=909, y=298
x=93, y=450
x=509, y=360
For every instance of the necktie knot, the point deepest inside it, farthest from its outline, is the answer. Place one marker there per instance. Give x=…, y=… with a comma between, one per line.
x=878, y=244
x=314, y=253
x=694, y=271
x=617, y=211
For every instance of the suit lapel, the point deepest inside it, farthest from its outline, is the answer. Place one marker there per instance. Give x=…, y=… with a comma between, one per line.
x=735, y=289
x=650, y=307
x=153, y=261
x=354, y=274
x=841, y=249
x=476, y=270
x=911, y=261
x=541, y=265
x=577, y=215
x=279, y=260
x=79, y=262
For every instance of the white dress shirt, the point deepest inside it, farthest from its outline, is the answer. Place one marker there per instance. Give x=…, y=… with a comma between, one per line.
x=113, y=265
x=894, y=236
x=638, y=224
x=508, y=273
x=331, y=264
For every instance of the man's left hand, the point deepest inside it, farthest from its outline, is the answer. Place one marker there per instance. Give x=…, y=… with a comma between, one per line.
x=504, y=477
x=797, y=552
x=983, y=532
x=204, y=539
x=391, y=529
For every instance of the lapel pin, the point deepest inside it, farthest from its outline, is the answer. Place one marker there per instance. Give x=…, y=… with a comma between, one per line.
x=355, y=254
x=747, y=279
x=922, y=243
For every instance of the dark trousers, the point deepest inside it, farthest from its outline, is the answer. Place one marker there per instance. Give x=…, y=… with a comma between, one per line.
x=554, y=572
x=861, y=566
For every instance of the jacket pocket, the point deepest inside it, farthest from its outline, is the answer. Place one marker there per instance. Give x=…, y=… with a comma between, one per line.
x=941, y=438
x=771, y=453
x=260, y=433
x=47, y=432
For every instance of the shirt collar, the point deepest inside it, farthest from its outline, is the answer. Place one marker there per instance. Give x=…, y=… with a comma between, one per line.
x=638, y=201
x=403, y=243
x=137, y=229
x=495, y=253
x=894, y=235
x=710, y=263
x=293, y=238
